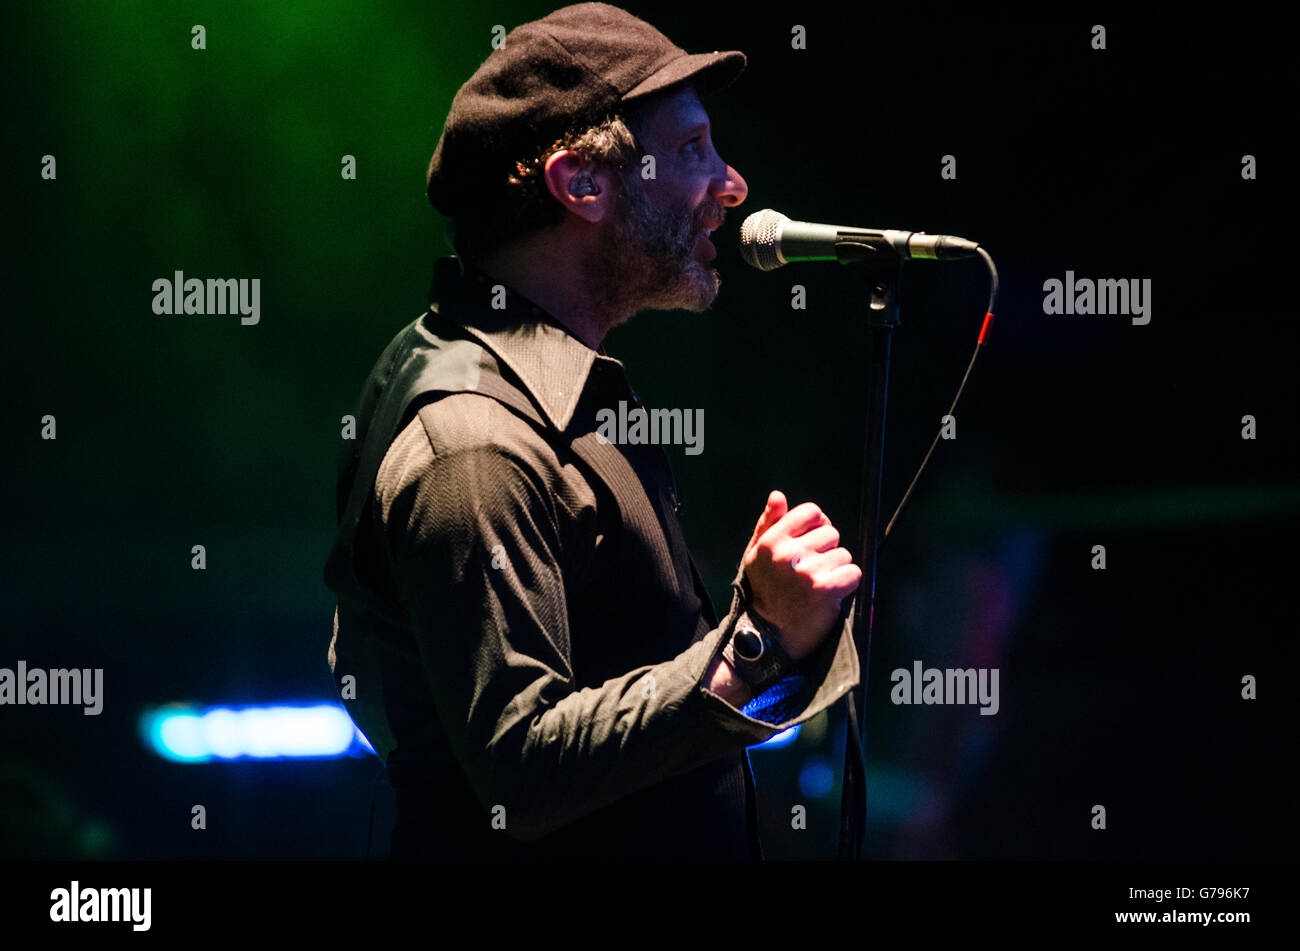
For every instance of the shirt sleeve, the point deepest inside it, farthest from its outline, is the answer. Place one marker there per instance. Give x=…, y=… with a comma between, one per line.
x=474, y=537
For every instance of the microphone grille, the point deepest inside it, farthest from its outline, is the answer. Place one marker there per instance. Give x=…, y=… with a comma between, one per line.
x=759, y=234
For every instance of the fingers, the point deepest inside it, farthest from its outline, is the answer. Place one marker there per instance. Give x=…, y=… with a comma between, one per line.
x=842, y=581
x=797, y=521
x=805, y=539
x=823, y=538
x=814, y=564
x=774, y=511
x=832, y=572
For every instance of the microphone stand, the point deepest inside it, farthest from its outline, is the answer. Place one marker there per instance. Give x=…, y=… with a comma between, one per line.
x=883, y=267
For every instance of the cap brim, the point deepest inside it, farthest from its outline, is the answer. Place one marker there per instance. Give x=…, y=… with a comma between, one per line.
x=710, y=71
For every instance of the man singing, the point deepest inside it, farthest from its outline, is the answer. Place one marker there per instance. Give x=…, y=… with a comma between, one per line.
x=521, y=631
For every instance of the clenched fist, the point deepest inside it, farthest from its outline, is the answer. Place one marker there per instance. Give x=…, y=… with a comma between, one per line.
x=798, y=574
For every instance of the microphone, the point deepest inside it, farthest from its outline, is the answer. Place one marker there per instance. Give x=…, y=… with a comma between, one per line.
x=768, y=239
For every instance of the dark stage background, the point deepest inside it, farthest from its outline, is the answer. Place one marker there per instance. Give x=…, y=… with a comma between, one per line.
x=1119, y=687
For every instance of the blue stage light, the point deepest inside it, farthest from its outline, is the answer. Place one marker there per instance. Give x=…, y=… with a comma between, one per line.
x=816, y=778
x=784, y=738
x=187, y=734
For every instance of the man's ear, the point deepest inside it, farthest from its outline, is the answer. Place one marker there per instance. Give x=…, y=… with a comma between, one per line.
x=578, y=185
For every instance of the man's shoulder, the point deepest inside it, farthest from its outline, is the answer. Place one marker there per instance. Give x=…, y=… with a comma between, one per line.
x=469, y=447
x=464, y=427
x=472, y=421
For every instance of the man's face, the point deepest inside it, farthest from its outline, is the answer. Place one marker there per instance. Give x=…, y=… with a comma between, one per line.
x=656, y=251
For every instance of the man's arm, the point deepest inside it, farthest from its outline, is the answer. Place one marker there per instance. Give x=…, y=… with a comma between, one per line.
x=722, y=680
x=475, y=540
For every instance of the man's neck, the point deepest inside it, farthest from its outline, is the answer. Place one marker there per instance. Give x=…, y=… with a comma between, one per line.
x=548, y=272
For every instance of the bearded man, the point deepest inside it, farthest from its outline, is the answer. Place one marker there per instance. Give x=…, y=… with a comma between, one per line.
x=521, y=631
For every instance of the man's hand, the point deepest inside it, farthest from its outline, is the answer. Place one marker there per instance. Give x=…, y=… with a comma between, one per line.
x=797, y=574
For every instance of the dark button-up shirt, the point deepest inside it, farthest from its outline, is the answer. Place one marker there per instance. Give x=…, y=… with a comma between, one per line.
x=521, y=631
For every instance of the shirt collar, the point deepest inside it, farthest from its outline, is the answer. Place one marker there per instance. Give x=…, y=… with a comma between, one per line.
x=553, y=364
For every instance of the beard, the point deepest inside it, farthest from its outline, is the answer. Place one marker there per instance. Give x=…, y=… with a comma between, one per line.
x=648, y=261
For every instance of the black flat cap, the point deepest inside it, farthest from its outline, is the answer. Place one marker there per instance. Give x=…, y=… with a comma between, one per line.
x=567, y=70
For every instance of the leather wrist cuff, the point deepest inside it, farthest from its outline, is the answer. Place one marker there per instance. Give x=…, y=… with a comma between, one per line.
x=755, y=653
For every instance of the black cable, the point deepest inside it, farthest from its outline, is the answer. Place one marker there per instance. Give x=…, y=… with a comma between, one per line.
x=952, y=410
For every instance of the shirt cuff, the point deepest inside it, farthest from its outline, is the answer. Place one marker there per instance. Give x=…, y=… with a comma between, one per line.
x=815, y=684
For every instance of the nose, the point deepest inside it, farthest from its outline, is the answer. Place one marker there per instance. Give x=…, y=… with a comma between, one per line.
x=729, y=190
